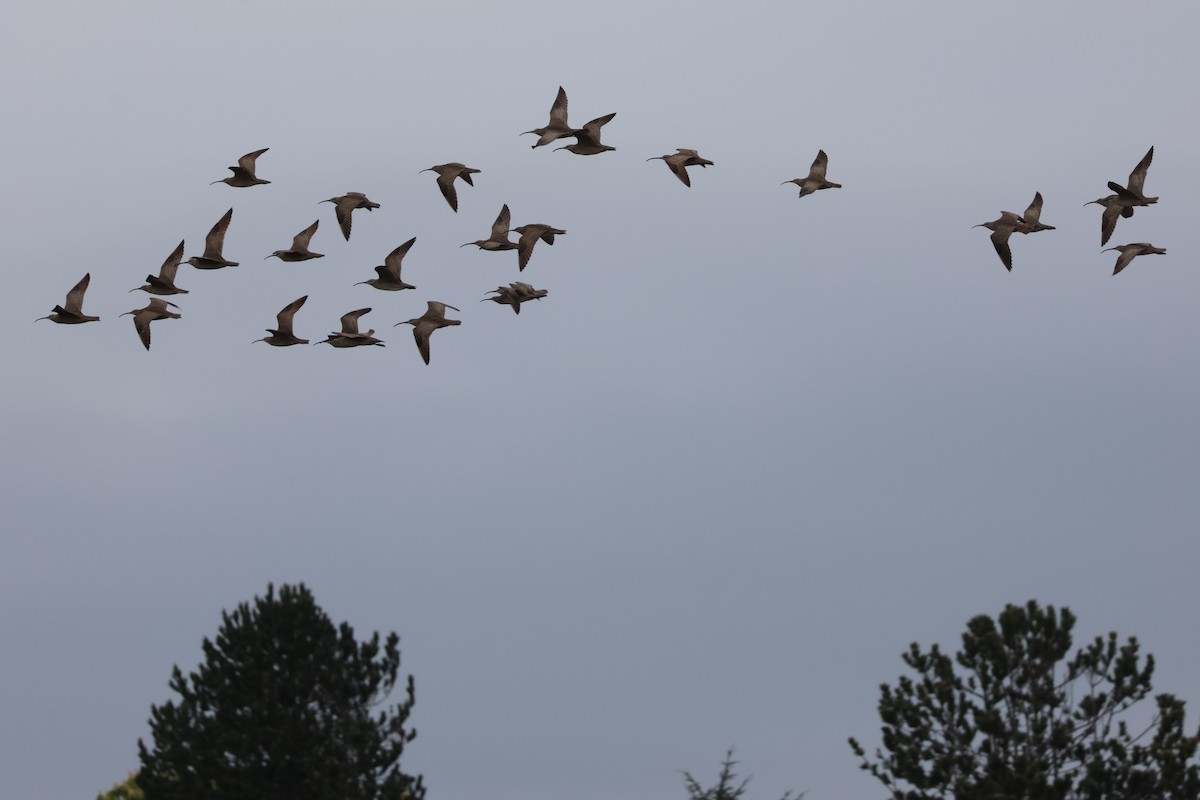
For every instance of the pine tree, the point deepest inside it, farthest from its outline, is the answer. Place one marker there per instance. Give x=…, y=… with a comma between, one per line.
x=1010, y=718
x=284, y=707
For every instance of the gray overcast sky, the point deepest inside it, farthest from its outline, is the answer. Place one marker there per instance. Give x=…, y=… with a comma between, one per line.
x=706, y=492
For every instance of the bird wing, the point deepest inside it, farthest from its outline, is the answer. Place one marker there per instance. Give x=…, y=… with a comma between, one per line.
x=1108, y=222
x=343, y=208
x=74, y=303
x=445, y=182
x=350, y=321
x=1126, y=256
x=819, y=166
x=215, y=241
x=246, y=162
x=558, y=118
x=421, y=332
x=283, y=319
x=465, y=174
x=501, y=225
x=1137, y=178
x=171, y=266
x=394, y=258
x=676, y=166
x=1034, y=212
x=300, y=240
x=141, y=321
x=591, y=129
x=1000, y=242
x=525, y=246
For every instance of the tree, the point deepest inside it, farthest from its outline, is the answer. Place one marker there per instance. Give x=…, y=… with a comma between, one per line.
x=1010, y=717
x=127, y=789
x=284, y=706
x=727, y=787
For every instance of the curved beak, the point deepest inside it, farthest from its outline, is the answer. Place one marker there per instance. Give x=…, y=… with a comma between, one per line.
x=459, y=310
x=214, y=183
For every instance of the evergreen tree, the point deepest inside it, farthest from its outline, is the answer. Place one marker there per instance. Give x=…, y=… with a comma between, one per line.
x=125, y=790
x=727, y=786
x=284, y=707
x=1010, y=718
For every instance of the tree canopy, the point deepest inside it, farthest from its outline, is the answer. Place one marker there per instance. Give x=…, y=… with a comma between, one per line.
x=285, y=705
x=1010, y=716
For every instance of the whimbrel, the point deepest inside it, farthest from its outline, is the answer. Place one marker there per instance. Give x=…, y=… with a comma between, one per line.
x=445, y=180
x=529, y=237
x=679, y=161
x=557, y=128
x=1001, y=229
x=283, y=336
x=349, y=335
x=213, y=244
x=71, y=311
x=243, y=174
x=389, y=271
x=1033, y=217
x=347, y=203
x=164, y=282
x=299, y=251
x=1132, y=251
x=424, y=325
x=499, y=238
x=587, y=138
x=155, y=310
x=514, y=294
x=815, y=181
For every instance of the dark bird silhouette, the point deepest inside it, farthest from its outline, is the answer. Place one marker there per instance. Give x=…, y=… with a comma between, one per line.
x=587, y=138
x=347, y=203
x=243, y=174
x=815, y=181
x=299, y=250
x=164, y=282
x=155, y=310
x=214, y=243
x=349, y=335
x=529, y=237
x=514, y=294
x=71, y=311
x=557, y=128
x=445, y=180
x=500, y=230
x=1132, y=251
x=424, y=325
x=282, y=336
x=1001, y=229
x=679, y=161
x=389, y=271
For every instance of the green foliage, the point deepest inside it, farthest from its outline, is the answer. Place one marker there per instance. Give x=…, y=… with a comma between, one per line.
x=727, y=787
x=125, y=790
x=284, y=707
x=1010, y=718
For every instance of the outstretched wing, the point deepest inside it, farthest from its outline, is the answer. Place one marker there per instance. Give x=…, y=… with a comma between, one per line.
x=819, y=166
x=214, y=243
x=394, y=258
x=171, y=266
x=300, y=240
x=283, y=319
x=1137, y=178
x=74, y=304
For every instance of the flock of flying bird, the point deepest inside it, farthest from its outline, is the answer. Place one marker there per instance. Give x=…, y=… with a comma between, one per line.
x=1121, y=203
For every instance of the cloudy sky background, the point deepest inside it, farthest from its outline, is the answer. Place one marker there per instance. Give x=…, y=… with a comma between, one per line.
x=702, y=495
